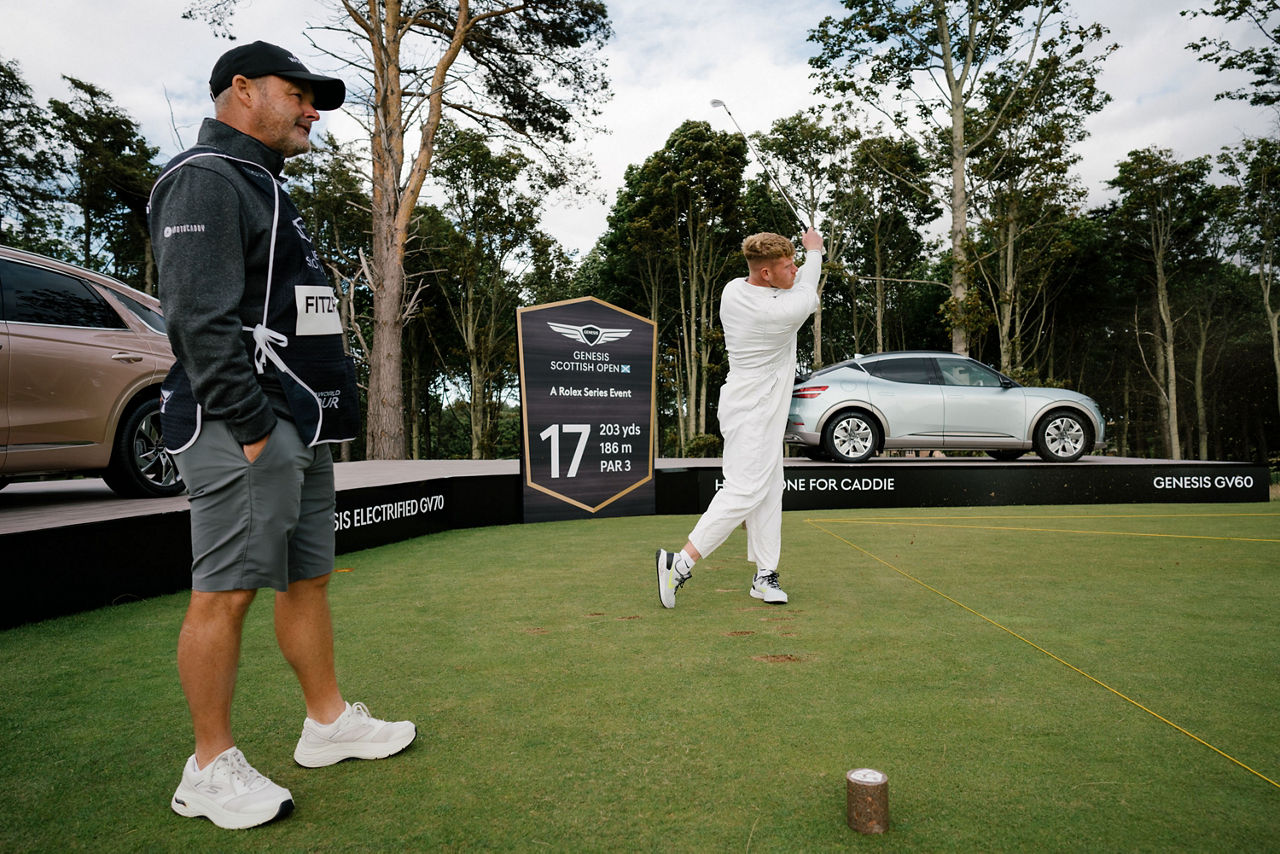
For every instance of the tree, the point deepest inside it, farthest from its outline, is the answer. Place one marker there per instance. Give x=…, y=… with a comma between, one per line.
x=812, y=161
x=1254, y=166
x=1163, y=216
x=1217, y=317
x=112, y=170
x=526, y=71
x=1262, y=60
x=679, y=218
x=888, y=241
x=28, y=167
x=481, y=284
x=1027, y=194
x=884, y=51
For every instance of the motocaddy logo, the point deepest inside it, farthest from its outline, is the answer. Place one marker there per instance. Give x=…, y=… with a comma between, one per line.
x=186, y=228
x=591, y=335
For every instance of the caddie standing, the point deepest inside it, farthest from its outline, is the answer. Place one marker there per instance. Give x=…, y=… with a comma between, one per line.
x=261, y=388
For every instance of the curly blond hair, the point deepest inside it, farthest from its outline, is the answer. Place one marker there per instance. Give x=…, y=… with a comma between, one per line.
x=767, y=246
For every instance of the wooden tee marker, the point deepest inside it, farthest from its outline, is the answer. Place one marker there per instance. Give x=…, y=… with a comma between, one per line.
x=867, y=794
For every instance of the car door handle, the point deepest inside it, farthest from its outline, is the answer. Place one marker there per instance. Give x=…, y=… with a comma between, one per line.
x=130, y=358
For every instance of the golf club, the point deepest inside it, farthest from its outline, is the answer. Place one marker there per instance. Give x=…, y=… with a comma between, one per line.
x=804, y=226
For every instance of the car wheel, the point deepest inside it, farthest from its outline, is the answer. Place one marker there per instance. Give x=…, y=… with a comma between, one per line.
x=1063, y=436
x=1005, y=455
x=140, y=466
x=851, y=437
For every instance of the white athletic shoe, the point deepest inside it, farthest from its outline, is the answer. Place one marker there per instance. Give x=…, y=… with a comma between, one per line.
x=354, y=735
x=669, y=578
x=230, y=793
x=766, y=587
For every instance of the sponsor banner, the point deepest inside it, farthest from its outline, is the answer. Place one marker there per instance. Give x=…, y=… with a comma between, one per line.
x=587, y=406
x=965, y=483
x=371, y=517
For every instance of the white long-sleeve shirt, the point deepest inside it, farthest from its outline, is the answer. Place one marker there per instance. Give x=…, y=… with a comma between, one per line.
x=760, y=326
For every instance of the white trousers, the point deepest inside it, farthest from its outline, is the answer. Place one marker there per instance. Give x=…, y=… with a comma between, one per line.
x=752, y=420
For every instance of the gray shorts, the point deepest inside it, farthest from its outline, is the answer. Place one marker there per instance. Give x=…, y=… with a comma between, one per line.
x=260, y=524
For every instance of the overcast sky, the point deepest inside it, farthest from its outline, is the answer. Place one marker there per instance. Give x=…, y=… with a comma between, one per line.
x=667, y=60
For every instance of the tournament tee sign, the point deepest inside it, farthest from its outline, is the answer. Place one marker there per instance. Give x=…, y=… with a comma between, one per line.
x=587, y=402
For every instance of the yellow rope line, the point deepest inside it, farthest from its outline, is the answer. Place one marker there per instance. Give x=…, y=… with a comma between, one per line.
x=1041, y=649
x=1050, y=530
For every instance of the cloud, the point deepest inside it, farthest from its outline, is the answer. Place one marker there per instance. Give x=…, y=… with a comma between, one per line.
x=668, y=59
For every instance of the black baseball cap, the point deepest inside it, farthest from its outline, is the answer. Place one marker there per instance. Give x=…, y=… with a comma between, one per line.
x=260, y=59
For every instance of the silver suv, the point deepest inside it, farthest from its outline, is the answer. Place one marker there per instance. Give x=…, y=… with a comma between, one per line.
x=935, y=400
x=82, y=357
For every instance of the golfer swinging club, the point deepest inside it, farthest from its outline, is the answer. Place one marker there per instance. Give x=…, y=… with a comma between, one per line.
x=760, y=315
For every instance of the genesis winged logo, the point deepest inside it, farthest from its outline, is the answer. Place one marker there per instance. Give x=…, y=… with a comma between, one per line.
x=591, y=335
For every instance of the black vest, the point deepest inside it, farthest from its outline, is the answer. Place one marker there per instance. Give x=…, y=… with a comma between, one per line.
x=299, y=338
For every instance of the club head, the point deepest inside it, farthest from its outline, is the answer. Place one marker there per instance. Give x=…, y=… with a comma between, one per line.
x=716, y=102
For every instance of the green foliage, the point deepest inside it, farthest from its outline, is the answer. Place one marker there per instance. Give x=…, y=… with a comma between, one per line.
x=29, y=167
x=1165, y=203
x=1025, y=192
x=1260, y=60
x=989, y=64
x=487, y=254
x=673, y=238
x=112, y=168
x=704, y=445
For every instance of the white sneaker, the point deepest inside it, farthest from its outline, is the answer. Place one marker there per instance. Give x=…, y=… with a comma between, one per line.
x=766, y=587
x=230, y=793
x=356, y=734
x=669, y=578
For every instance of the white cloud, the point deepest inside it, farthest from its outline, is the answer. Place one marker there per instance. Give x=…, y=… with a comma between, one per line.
x=669, y=58
x=1161, y=94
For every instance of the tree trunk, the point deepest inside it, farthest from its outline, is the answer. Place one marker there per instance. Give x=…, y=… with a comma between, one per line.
x=393, y=202
x=1127, y=409
x=879, y=256
x=149, y=259
x=478, y=410
x=1167, y=343
x=959, y=225
x=415, y=404
x=384, y=433
x=1202, y=420
x=1273, y=319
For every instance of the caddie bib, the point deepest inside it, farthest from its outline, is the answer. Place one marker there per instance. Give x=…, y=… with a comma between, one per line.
x=299, y=338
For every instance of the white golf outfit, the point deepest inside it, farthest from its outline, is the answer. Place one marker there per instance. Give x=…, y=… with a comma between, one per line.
x=760, y=326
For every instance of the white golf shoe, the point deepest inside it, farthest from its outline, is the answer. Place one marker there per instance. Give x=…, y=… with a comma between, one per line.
x=230, y=793
x=669, y=578
x=356, y=734
x=766, y=587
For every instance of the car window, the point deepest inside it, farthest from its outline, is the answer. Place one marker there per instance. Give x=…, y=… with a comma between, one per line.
x=145, y=313
x=36, y=295
x=902, y=370
x=967, y=373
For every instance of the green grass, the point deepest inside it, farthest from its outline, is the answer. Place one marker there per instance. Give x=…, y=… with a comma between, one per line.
x=560, y=708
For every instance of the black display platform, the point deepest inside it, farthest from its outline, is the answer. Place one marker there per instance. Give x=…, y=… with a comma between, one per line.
x=70, y=546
